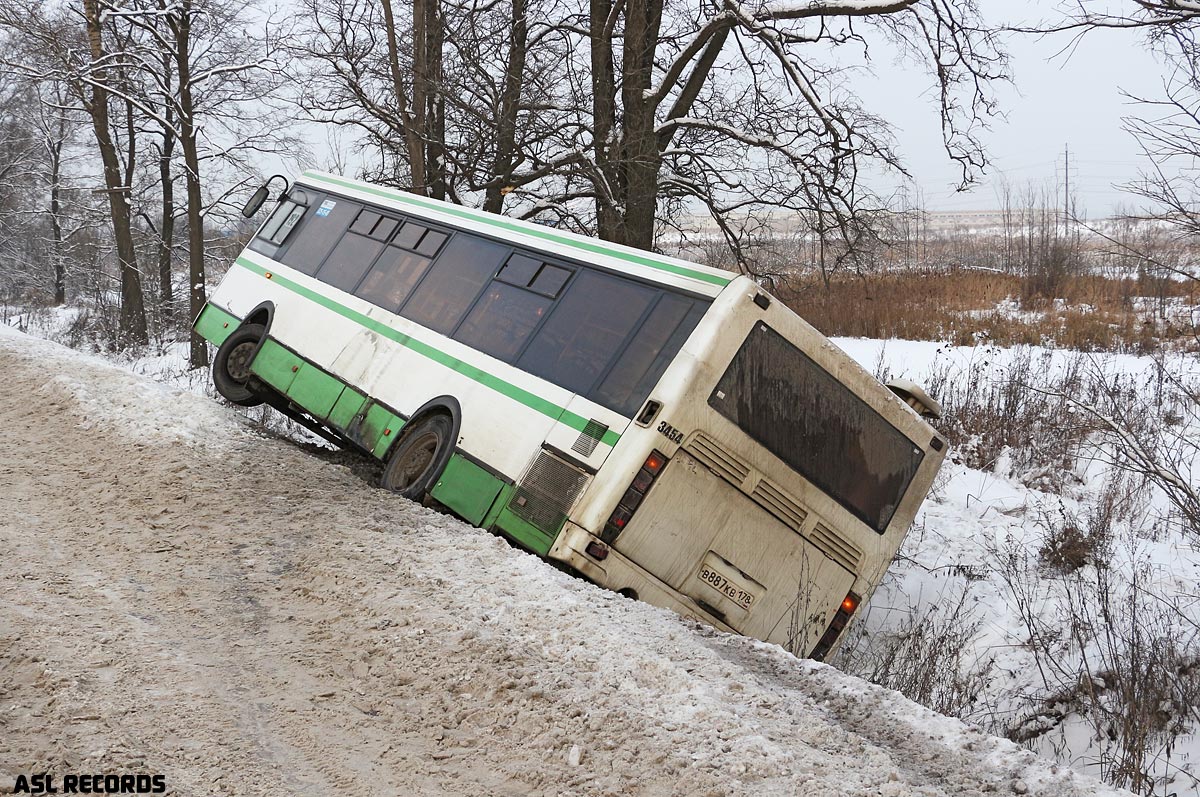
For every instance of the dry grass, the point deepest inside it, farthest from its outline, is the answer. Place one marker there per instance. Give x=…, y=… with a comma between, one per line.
x=1094, y=313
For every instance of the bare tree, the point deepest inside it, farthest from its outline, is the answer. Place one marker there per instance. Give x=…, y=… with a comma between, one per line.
x=1166, y=127
x=95, y=92
x=56, y=124
x=618, y=116
x=19, y=159
x=202, y=72
x=71, y=46
x=198, y=82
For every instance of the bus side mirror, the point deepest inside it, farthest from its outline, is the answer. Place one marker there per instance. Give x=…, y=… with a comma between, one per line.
x=256, y=201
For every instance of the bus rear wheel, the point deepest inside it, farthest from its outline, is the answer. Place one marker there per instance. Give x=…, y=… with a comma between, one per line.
x=231, y=367
x=419, y=457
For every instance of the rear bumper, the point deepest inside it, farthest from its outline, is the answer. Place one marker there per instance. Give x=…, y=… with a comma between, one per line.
x=618, y=573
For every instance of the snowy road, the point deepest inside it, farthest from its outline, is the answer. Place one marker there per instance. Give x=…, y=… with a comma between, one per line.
x=183, y=596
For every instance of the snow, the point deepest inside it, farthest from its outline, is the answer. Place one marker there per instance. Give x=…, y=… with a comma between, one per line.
x=574, y=689
x=977, y=541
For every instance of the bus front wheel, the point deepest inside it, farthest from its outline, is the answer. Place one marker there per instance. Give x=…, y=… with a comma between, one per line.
x=420, y=457
x=231, y=366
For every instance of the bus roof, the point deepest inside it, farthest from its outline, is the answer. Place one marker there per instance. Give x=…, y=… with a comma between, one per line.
x=645, y=265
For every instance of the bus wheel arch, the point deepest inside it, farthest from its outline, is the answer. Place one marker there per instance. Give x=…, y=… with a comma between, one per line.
x=418, y=458
x=262, y=315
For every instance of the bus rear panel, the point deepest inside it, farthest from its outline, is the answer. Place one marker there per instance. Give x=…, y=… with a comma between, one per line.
x=792, y=477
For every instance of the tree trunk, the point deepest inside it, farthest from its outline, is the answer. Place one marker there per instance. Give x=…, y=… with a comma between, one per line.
x=132, y=325
x=428, y=104
x=604, y=115
x=641, y=161
x=60, y=276
x=510, y=106
x=412, y=134
x=435, y=114
x=166, y=229
x=198, y=357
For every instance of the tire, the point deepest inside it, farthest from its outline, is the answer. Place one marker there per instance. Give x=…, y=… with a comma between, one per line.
x=420, y=457
x=231, y=366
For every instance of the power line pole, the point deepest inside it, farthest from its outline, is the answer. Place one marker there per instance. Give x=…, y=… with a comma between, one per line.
x=1067, y=189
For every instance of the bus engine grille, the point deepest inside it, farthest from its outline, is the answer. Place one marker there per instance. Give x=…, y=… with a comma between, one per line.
x=547, y=492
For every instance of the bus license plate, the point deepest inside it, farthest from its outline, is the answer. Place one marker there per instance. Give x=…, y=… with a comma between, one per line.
x=724, y=583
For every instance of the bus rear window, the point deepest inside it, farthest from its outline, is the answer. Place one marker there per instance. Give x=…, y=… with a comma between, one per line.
x=782, y=399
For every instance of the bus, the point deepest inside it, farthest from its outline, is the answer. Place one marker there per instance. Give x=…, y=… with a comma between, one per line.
x=665, y=430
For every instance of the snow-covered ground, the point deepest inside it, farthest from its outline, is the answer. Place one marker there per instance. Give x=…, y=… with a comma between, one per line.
x=186, y=596
x=976, y=553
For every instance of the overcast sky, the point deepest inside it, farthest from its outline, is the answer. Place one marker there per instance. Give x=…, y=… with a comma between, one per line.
x=1056, y=101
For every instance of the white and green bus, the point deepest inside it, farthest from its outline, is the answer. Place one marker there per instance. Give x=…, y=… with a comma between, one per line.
x=666, y=430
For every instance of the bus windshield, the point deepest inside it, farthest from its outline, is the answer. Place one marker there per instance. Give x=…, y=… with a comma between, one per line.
x=802, y=414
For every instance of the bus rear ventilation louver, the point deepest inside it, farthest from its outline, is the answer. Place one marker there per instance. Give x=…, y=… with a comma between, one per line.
x=547, y=492
x=717, y=459
x=836, y=547
x=589, y=438
x=779, y=504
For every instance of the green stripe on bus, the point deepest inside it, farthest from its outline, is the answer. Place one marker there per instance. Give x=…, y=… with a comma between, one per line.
x=531, y=400
x=502, y=223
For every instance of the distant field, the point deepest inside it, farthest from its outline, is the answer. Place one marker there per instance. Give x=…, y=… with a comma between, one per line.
x=963, y=307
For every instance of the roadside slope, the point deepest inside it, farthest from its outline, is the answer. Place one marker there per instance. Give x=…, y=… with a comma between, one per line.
x=184, y=596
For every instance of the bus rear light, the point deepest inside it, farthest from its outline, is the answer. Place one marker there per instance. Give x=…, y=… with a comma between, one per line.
x=620, y=517
x=597, y=550
x=631, y=499
x=841, y=619
x=634, y=495
x=642, y=481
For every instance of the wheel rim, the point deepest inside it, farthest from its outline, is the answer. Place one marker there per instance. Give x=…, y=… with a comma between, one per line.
x=237, y=365
x=416, y=461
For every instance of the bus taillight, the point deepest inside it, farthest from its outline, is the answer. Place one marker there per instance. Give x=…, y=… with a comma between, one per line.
x=841, y=619
x=634, y=495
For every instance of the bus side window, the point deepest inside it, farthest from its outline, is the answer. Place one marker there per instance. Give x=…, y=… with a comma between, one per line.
x=653, y=346
x=588, y=326
x=511, y=308
x=392, y=278
x=283, y=220
x=454, y=281
x=322, y=228
x=356, y=251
